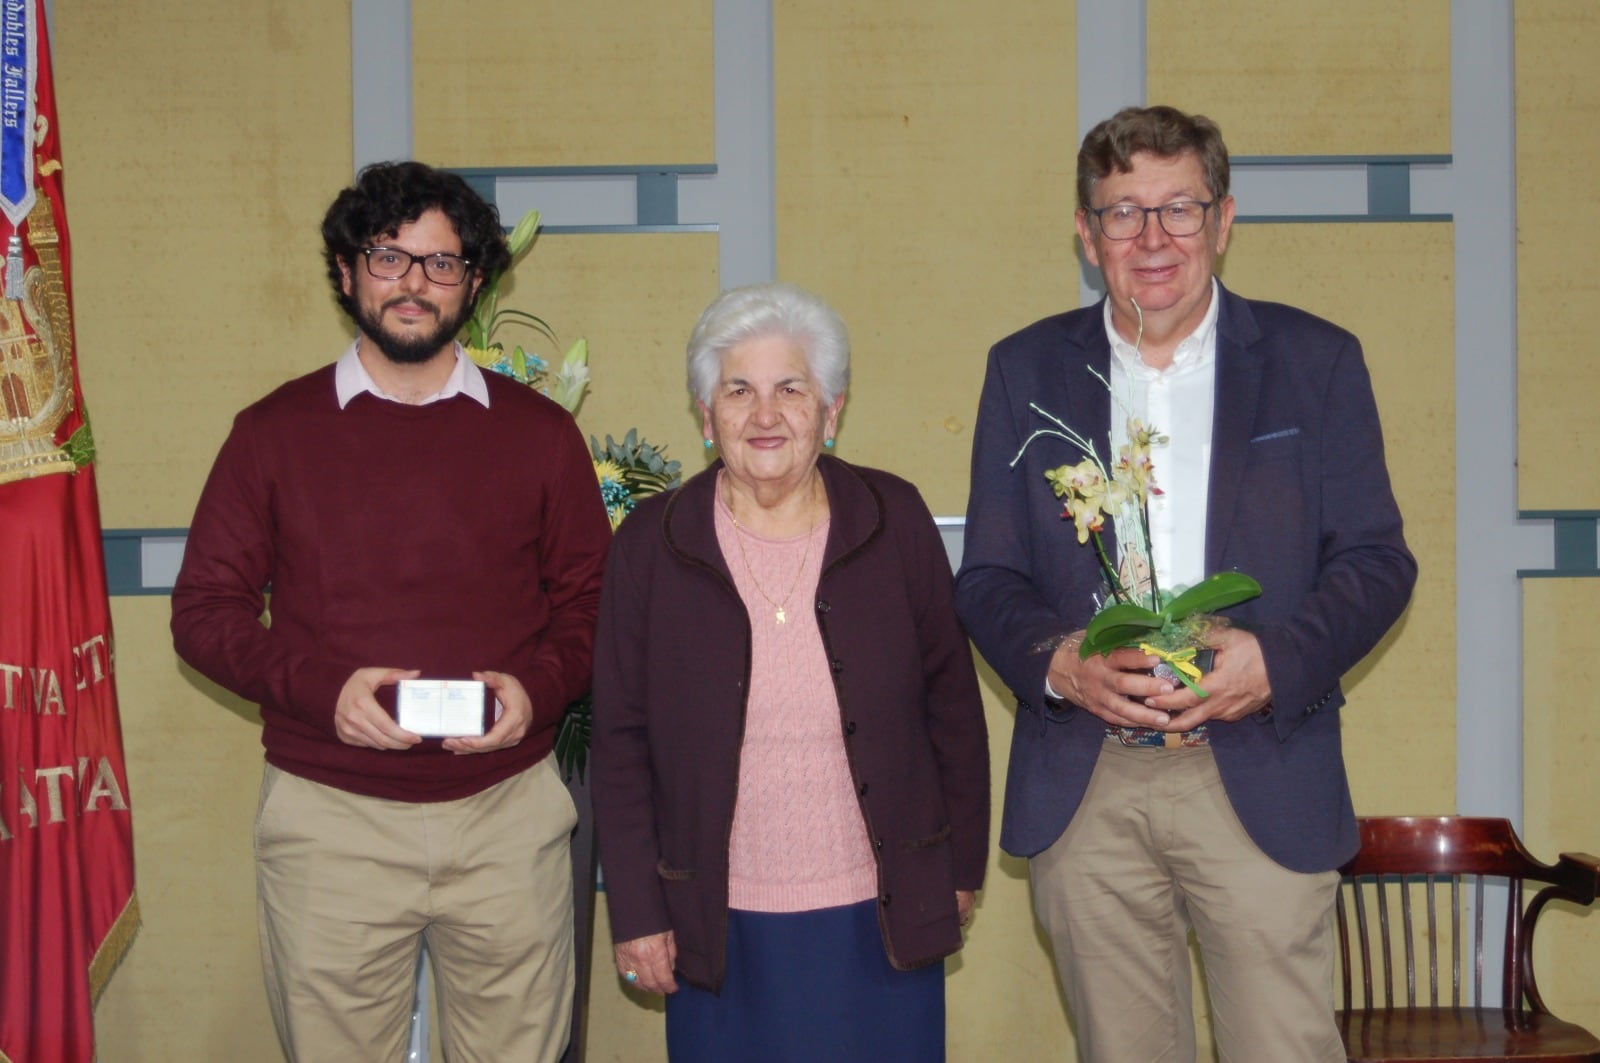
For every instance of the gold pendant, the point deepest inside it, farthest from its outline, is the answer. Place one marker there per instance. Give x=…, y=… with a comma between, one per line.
x=779, y=614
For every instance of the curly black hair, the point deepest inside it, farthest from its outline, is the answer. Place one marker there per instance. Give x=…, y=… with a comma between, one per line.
x=387, y=195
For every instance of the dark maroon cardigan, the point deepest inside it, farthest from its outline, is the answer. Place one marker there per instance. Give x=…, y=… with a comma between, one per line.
x=672, y=662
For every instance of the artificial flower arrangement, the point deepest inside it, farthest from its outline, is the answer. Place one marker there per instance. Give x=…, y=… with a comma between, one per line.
x=627, y=471
x=1171, y=627
x=631, y=470
x=568, y=384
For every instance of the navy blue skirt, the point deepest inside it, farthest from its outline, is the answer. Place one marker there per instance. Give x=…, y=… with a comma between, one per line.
x=808, y=987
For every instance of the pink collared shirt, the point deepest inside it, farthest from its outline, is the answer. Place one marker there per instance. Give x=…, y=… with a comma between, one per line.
x=350, y=378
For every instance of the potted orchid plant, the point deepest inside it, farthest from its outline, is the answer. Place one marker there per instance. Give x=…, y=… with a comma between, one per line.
x=1138, y=612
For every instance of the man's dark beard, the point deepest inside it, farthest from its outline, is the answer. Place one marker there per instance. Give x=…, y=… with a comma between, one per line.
x=414, y=346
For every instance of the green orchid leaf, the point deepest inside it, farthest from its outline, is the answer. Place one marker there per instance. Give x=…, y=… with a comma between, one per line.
x=1114, y=638
x=1116, y=626
x=1215, y=592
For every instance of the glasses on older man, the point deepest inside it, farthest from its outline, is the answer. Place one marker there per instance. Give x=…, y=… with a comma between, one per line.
x=1124, y=221
x=392, y=263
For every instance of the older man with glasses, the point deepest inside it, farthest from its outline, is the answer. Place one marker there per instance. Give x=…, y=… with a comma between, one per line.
x=1145, y=810
x=432, y=615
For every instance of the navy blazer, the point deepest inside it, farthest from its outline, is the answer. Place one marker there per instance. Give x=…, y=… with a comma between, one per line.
x=1299, y=499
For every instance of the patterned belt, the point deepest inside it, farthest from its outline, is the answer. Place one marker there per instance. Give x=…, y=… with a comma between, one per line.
x=1144, y=736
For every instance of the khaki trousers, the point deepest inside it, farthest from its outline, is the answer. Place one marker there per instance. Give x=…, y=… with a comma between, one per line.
x=348, y=887
x=1154, y=850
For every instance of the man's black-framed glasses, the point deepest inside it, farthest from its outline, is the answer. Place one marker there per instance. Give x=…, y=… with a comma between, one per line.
x=1124, y=221
x=392, y=263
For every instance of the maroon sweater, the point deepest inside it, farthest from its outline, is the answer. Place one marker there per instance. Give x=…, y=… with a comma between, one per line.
x=448, y=538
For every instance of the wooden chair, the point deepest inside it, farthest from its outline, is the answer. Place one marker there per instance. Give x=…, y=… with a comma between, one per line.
x=1406, y=901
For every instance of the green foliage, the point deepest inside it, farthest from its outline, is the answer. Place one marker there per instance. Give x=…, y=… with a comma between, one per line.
x=487, y=316
x=1125, y=623
x=1215, y=592
x=1118, y=625
x=80, y=445
x=645, y=467
x=572, y=738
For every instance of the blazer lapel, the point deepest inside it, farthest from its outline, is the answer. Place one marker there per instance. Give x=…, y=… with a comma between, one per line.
x=1238, y=390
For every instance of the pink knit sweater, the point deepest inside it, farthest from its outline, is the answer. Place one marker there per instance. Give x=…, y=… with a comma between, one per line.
x=798, y=842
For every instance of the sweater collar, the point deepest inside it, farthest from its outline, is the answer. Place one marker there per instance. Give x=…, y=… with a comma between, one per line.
x=855, y=511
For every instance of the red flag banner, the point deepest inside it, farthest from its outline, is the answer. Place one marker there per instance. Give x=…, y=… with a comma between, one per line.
x=67, y=905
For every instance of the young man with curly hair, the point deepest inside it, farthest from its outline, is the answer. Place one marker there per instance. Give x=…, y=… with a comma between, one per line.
x=412, y=517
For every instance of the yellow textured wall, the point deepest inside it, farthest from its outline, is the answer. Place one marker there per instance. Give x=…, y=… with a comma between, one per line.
x=195, y=191
x=1359, y=77
x=1558, y=215
x=925, y=162
x=506, y=83
x=1560, y=789
x=1557, y=459
x=634, y=297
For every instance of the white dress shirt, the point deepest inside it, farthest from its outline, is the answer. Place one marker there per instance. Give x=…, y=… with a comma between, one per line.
x=1177, y=401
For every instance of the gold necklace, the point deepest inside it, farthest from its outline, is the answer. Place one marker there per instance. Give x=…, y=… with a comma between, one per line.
x=779, y=610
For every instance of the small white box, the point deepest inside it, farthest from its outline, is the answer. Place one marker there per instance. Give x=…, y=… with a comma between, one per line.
x=440, y=708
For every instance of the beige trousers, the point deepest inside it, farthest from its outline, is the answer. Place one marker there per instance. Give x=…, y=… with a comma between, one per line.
x=1154, y=850
x=348, y=887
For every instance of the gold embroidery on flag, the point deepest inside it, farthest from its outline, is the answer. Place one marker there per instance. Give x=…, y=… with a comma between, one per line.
x=114, y=947
x=36, y=361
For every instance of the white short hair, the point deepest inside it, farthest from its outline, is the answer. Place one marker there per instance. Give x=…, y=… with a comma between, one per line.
x=774, y=309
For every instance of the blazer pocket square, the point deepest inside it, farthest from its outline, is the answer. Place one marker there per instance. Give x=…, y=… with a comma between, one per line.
x=1282, y=433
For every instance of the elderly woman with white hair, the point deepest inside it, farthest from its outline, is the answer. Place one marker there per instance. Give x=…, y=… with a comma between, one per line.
x=791, y=771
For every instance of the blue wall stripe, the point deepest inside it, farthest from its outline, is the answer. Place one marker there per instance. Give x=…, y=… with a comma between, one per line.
x=1338, y=160
x=693, y=227
x=1302, y=219
x=655, y=193
x=125, y=553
